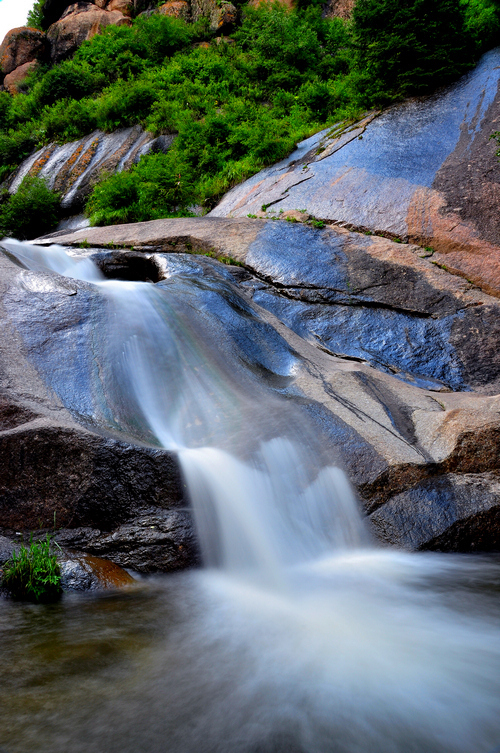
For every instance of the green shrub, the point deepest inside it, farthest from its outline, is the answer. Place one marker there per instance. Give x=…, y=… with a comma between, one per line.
x=33, y=574
x=32, y=211
x=408, y=46
x=158, y=186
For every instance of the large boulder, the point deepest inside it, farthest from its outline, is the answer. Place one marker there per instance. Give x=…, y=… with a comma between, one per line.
x=78, y=23
x=424, y=171
x=410, y=443
x=74, y=168
x=13, y=81
x=21, y=46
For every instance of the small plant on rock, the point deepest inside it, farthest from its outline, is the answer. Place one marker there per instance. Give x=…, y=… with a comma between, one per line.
x=33, y=574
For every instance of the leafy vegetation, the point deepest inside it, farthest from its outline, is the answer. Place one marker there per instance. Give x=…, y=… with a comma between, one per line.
x=33, y=574
x=31, y=212
x=237, y=105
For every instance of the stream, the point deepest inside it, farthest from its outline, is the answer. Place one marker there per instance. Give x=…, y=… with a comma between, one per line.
x=300, y=635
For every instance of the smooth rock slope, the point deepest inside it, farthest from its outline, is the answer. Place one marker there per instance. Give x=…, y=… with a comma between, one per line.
x=424, y=171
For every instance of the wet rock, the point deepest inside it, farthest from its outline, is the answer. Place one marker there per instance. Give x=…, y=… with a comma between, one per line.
x=74, y=168
x=391, y=436
x=83, y=572
x=176, y=8
x=13, y=81
x=22, y=45
x=80, y=22
x=449, y=513
x=357, y=296
x=157, y=541
x=423, y=171
x=222, y=15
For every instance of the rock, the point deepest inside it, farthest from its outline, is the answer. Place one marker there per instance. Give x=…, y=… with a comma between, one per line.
x=74, y=168
x=358, y=296
x=222, y=15
x=22, y=45
x=176, y=8
x=80, y=22
x=12, y=81
x=402, y=443
x=53, y=466
x=158, y=541
x=423, y=171
x=52, y=10
x=339, y=8
x=123, y=6
x=83, y=572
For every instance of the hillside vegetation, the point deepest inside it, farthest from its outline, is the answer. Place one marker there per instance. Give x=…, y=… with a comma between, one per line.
x=236, y=104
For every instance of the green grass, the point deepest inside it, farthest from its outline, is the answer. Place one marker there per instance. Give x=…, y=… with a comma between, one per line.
x=33, y=574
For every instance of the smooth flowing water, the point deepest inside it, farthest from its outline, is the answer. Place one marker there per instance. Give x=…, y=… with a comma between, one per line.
x=300, y=635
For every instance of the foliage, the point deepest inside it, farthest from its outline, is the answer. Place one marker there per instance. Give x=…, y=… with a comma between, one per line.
x=408, y=46
x=240, y=105
x=33, y=574
x=35, y=16
x=30, y=212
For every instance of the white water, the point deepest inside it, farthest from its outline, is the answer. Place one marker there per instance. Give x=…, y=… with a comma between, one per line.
x=305, y=639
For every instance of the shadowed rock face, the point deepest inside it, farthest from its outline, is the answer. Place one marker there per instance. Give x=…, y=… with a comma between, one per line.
x=423, y=171
x=74, y=168
x=402, y=444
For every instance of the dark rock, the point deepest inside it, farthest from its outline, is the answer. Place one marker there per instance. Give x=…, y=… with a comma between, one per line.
x=157, y=541
x=22, y=45
x=448, y=513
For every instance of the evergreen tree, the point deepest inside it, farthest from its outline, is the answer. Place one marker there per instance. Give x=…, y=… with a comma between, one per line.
x=409, y=46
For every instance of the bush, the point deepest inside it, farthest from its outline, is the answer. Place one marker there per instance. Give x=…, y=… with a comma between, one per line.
x=33, y=574
x=32, y=211
x=409, y=46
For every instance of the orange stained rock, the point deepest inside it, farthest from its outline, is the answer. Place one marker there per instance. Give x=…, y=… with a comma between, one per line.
x=108, y=573
x=457, y=245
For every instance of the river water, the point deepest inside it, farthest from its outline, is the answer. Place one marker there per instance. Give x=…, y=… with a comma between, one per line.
x=299, y=635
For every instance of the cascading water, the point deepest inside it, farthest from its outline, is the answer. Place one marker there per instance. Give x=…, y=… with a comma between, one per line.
x=305, y=638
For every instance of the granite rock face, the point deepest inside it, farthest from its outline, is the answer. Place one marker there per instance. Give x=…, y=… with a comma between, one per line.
x=20, y=46
x=74, y=168
x=13, y=80
x=424, y=171
x=80, y=22
x=410, y=442
x=54, y=467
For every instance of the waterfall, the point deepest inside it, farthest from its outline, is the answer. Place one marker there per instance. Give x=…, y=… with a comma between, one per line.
x=302, y=636
x=262, y=497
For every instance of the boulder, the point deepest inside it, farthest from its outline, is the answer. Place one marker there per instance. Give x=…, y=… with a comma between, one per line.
x=13, y=80
x=80, y=22
x=74, y=168
x=176, y=8
x=424, y=171
x=222, y=15
x=410, y=442
x=20, y=46
x=123, y=6
x=339, y=8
